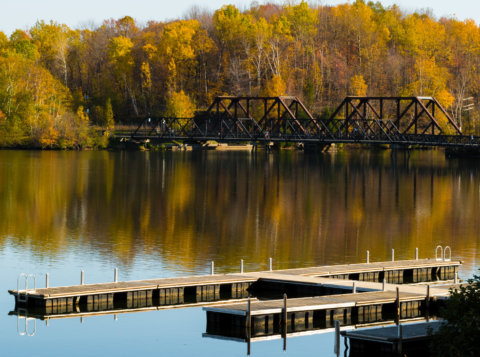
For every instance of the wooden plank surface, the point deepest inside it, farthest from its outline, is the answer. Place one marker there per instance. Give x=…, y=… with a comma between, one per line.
x=106, y=288
x=315, y=303
x=371, y=267
x=361, y=286
x=302, y=275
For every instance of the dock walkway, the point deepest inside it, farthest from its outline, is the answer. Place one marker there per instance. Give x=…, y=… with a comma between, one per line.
x=402, y=271
x=408, y=339
x=315, y=281
x=245, y=320
x=316, y=303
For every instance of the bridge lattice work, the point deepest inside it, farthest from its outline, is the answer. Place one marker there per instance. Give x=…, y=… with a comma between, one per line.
x=376, y=120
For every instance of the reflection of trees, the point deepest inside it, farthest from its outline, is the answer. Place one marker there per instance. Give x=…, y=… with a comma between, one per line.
x=188, y=207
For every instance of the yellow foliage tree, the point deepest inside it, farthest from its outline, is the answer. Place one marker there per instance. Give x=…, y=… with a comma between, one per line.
x=3, y=41
x=178, y=48
x=37, y=107
x=119, y=51
x=274, y=87
x=179, y=105
x=358, y=87
x=120, y=55
x=430, y=80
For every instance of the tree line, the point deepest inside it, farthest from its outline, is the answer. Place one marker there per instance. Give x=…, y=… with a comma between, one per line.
x=59, y=85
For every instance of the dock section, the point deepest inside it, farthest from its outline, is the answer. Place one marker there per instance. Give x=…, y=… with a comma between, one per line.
x=394, y=272
x=136, y=294
x=407, y=339
x=185, y=291
x=271, y=317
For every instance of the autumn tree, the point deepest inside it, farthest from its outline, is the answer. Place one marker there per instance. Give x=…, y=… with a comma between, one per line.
x=358, y=87
x=52, y=41
x=120, y=57
x=179, y=105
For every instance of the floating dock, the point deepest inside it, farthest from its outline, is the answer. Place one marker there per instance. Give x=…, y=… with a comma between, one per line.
x=400, y=340
x=135, y=294
x=185, y=291
x=394, y=272
x=272, y=317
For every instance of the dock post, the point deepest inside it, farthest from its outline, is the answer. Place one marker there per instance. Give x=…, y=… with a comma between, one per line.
x=354, y=287
x=455, y=279
x=368, y=257
x=115, y=317
x=212, y=268
x=397, y=305
x=336, y=347
x=241, y=266
x=82, y=278
x=285, y=324
x=416, y=253
x=115, y=275
x=270, y=264
x=47, y=280
x=393, y=255
x=427, y=300
x=249, y=324
x=384, y=287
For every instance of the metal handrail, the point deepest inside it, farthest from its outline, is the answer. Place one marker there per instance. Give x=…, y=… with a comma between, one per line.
x=445, y=254
x=441, y=253
x=25, y=291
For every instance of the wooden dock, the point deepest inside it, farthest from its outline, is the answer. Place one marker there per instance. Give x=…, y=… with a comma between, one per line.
x=271, y=317
x=141, y=293
x=185, y=291
x=407, y=339
x=395, y=272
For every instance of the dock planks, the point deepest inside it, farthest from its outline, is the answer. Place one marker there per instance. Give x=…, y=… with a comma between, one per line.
x=316, y=303
x=313, y=281
x=139, y=285
x=329, y=270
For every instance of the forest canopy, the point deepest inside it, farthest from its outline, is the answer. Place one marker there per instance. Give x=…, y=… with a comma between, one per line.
x=57, y=83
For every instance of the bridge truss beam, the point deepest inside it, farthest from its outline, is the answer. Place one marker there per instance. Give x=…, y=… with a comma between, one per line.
x=381, y=120
x=411, y=115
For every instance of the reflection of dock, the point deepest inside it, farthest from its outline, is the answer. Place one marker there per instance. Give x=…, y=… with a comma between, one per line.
x=43, y=314
x=408, y=339
x=314, y=331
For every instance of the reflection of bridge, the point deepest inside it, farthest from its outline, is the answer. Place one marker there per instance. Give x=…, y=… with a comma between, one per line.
x=369, y=120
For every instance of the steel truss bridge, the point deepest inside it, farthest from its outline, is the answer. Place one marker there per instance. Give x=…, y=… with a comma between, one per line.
x=368, y=120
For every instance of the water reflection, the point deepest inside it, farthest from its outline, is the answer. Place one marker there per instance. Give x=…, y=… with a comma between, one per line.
x=187, y=208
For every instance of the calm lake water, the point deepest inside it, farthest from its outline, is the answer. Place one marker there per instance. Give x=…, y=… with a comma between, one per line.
x=155, y=214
